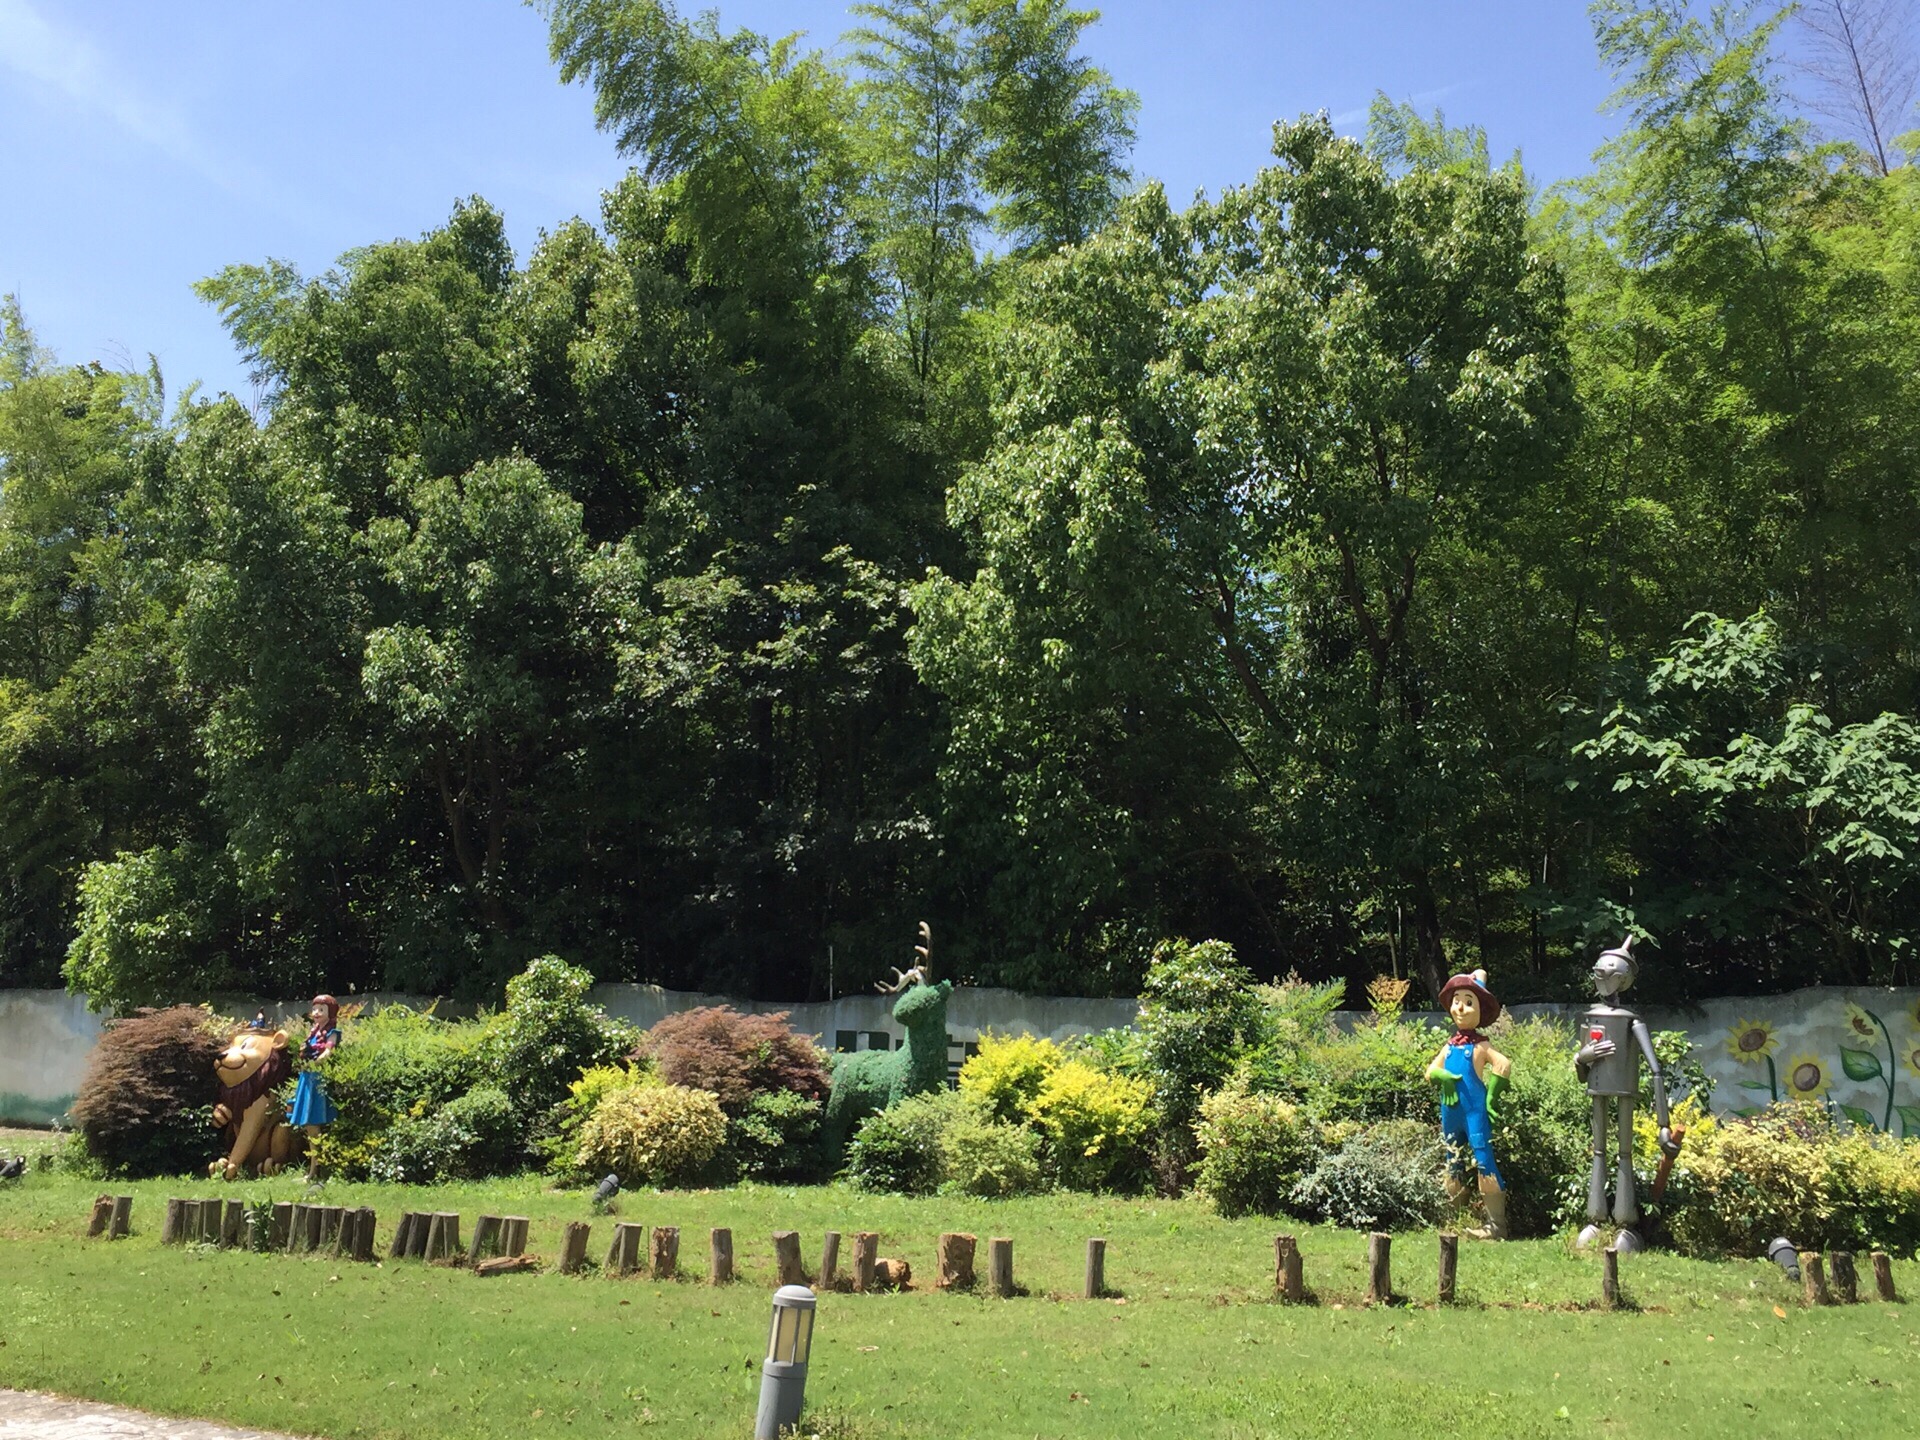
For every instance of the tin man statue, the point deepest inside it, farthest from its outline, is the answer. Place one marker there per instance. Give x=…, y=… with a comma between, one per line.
x=1609, y=1062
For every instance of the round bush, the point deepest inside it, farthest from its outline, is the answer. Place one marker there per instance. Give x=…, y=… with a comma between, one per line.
x=145, y=1105
x=1096, y=1126
x=1385, y=1178
x=1253, y=1150
x=735, y=1057
x=898, y=1149
x=653, y=1135
x=472, y=1137
x=1008, y=1072
x=989, y=1158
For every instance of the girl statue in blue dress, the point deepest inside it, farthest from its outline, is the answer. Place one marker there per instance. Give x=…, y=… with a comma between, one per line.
x=311, y=1108
x=1470, y=1075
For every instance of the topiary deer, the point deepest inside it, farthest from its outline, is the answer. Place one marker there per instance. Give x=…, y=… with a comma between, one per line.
x=870, y=1080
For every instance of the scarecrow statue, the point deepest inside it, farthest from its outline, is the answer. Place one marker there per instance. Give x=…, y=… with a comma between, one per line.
x=1609, y=1063
x=1470, y=1076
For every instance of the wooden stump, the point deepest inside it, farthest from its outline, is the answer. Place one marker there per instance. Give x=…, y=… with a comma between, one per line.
x=1449, y=1264
x=1096, y=1284
x=347, y=1236
x=1610, y=1278
x=514, y=1232
x=664, y=1252
x=829, y=1259
x=1379, y=1268
x=443, y=1236
x=176, y=1217
x=956, y=1262
x=573, y=1246
x=102, y=1215
x=330, y=1218
x=786, y=1257
x=486, y=1236
x=1287, y=1281
x=1883, y=1275
x=891, y=1274
x=720, y=1256
x=363, y=1235
x=282, y=1225
x=1000, y=1266
x=1813, y=1279
x=122, y=1223
x=623, y=1255
x=296, y=1228
x=402, y=1235
x=316, y=1219
x=1845, y=1279
x=233, y=1225
x=418, y=1235
x=866, y=1250
x=213, y=1215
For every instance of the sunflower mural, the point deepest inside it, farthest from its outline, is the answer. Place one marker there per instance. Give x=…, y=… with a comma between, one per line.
x=1808, y=1078
x=1752, y=1042
x=1860, y=1059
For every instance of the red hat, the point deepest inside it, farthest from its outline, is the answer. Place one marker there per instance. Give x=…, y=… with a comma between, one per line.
x=1477, y=983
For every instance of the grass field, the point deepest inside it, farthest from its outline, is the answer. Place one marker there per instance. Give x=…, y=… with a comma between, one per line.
x=1192, y=1347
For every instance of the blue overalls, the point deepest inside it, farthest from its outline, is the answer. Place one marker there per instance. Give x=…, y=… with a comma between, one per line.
x=1464, y=1126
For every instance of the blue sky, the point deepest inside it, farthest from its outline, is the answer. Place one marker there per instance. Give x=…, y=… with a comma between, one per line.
x=145, y=146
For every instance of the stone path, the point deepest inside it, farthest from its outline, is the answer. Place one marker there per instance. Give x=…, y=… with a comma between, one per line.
x=25, y=1415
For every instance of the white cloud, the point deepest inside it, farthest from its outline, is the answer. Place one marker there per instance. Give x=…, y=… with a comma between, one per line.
x=70, y=65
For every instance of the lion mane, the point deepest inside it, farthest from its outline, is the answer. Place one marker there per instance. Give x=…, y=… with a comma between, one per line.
x=276, y=1067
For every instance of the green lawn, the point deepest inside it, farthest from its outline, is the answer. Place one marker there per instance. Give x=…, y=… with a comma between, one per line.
x=1193, y=1348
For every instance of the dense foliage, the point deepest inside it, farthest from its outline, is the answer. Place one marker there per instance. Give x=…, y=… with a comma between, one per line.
x=887, y=506
x=145, y=1105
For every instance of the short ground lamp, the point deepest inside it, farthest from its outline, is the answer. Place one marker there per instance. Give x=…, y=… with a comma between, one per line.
x=783, y=1377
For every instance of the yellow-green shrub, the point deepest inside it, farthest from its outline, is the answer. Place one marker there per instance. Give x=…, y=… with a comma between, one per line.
x=1791, y=1171
x=1096, y=1126
x=652, y=1134
x=1254, y=1149
x=1009, y=1071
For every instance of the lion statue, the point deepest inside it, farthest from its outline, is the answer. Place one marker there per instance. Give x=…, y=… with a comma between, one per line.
x=254, y=1063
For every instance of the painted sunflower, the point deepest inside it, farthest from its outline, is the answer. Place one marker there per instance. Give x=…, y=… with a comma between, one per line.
x=1751, y=1041
x=1860, y=1025
x=1912, y=1056
x=1806, y=1077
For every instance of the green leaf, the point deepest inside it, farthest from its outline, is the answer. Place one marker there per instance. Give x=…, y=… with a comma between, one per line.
x=1859, y=1117
x=1747, y=1110
x=1909, y=1120
x=1759, y=1085
x=1860, y=1064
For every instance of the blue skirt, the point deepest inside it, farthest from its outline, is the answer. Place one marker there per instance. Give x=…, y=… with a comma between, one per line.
x=310, y=1104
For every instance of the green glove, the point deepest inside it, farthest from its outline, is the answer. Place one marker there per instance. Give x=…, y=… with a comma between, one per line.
x=1447, y=1085
x=1495, y=1084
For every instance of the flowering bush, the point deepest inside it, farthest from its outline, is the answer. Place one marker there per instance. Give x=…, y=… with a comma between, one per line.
x=1096, y=1126
x=652, y=1134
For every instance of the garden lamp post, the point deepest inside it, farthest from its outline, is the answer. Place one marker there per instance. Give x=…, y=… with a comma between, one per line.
x=783, y=1376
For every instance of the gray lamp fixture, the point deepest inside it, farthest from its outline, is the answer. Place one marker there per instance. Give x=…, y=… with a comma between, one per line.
x=783, y=1375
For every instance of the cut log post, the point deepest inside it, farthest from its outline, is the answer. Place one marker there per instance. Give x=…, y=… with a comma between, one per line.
x=122, y=1223
x=829, y=1260
x=419, y=1234
x=506, y=1265
x=296, y=1228
x=786, y=1256
x=316, y=1224
x=891, y=1274
x=1813, y=1278
x=1449, y=1264
x=1379, y=1268
x=363, y=1235
x=1610, y=1278
x=282, y=1225
x=443, y=1236
x=347, y=1236
x=233, y=1224
x=956, y=1262
x=514, y=1234
x=623, y=1256
x=176, y=1217
x=573, y=1246
x=486, y=1237
x=1000, y=1266
x=720, y=1256
x=330, y=1218
x=1287, y=1281
x=1096, y=1285
x=402, y=1236
x=1883, y=1275
x=663, y=1254
x=866, y=1250
x=102, y=1215
x=1844, y=1278
x=212, y=1217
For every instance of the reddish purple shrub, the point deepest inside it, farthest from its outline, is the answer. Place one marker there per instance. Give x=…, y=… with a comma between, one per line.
x=735, y=1056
